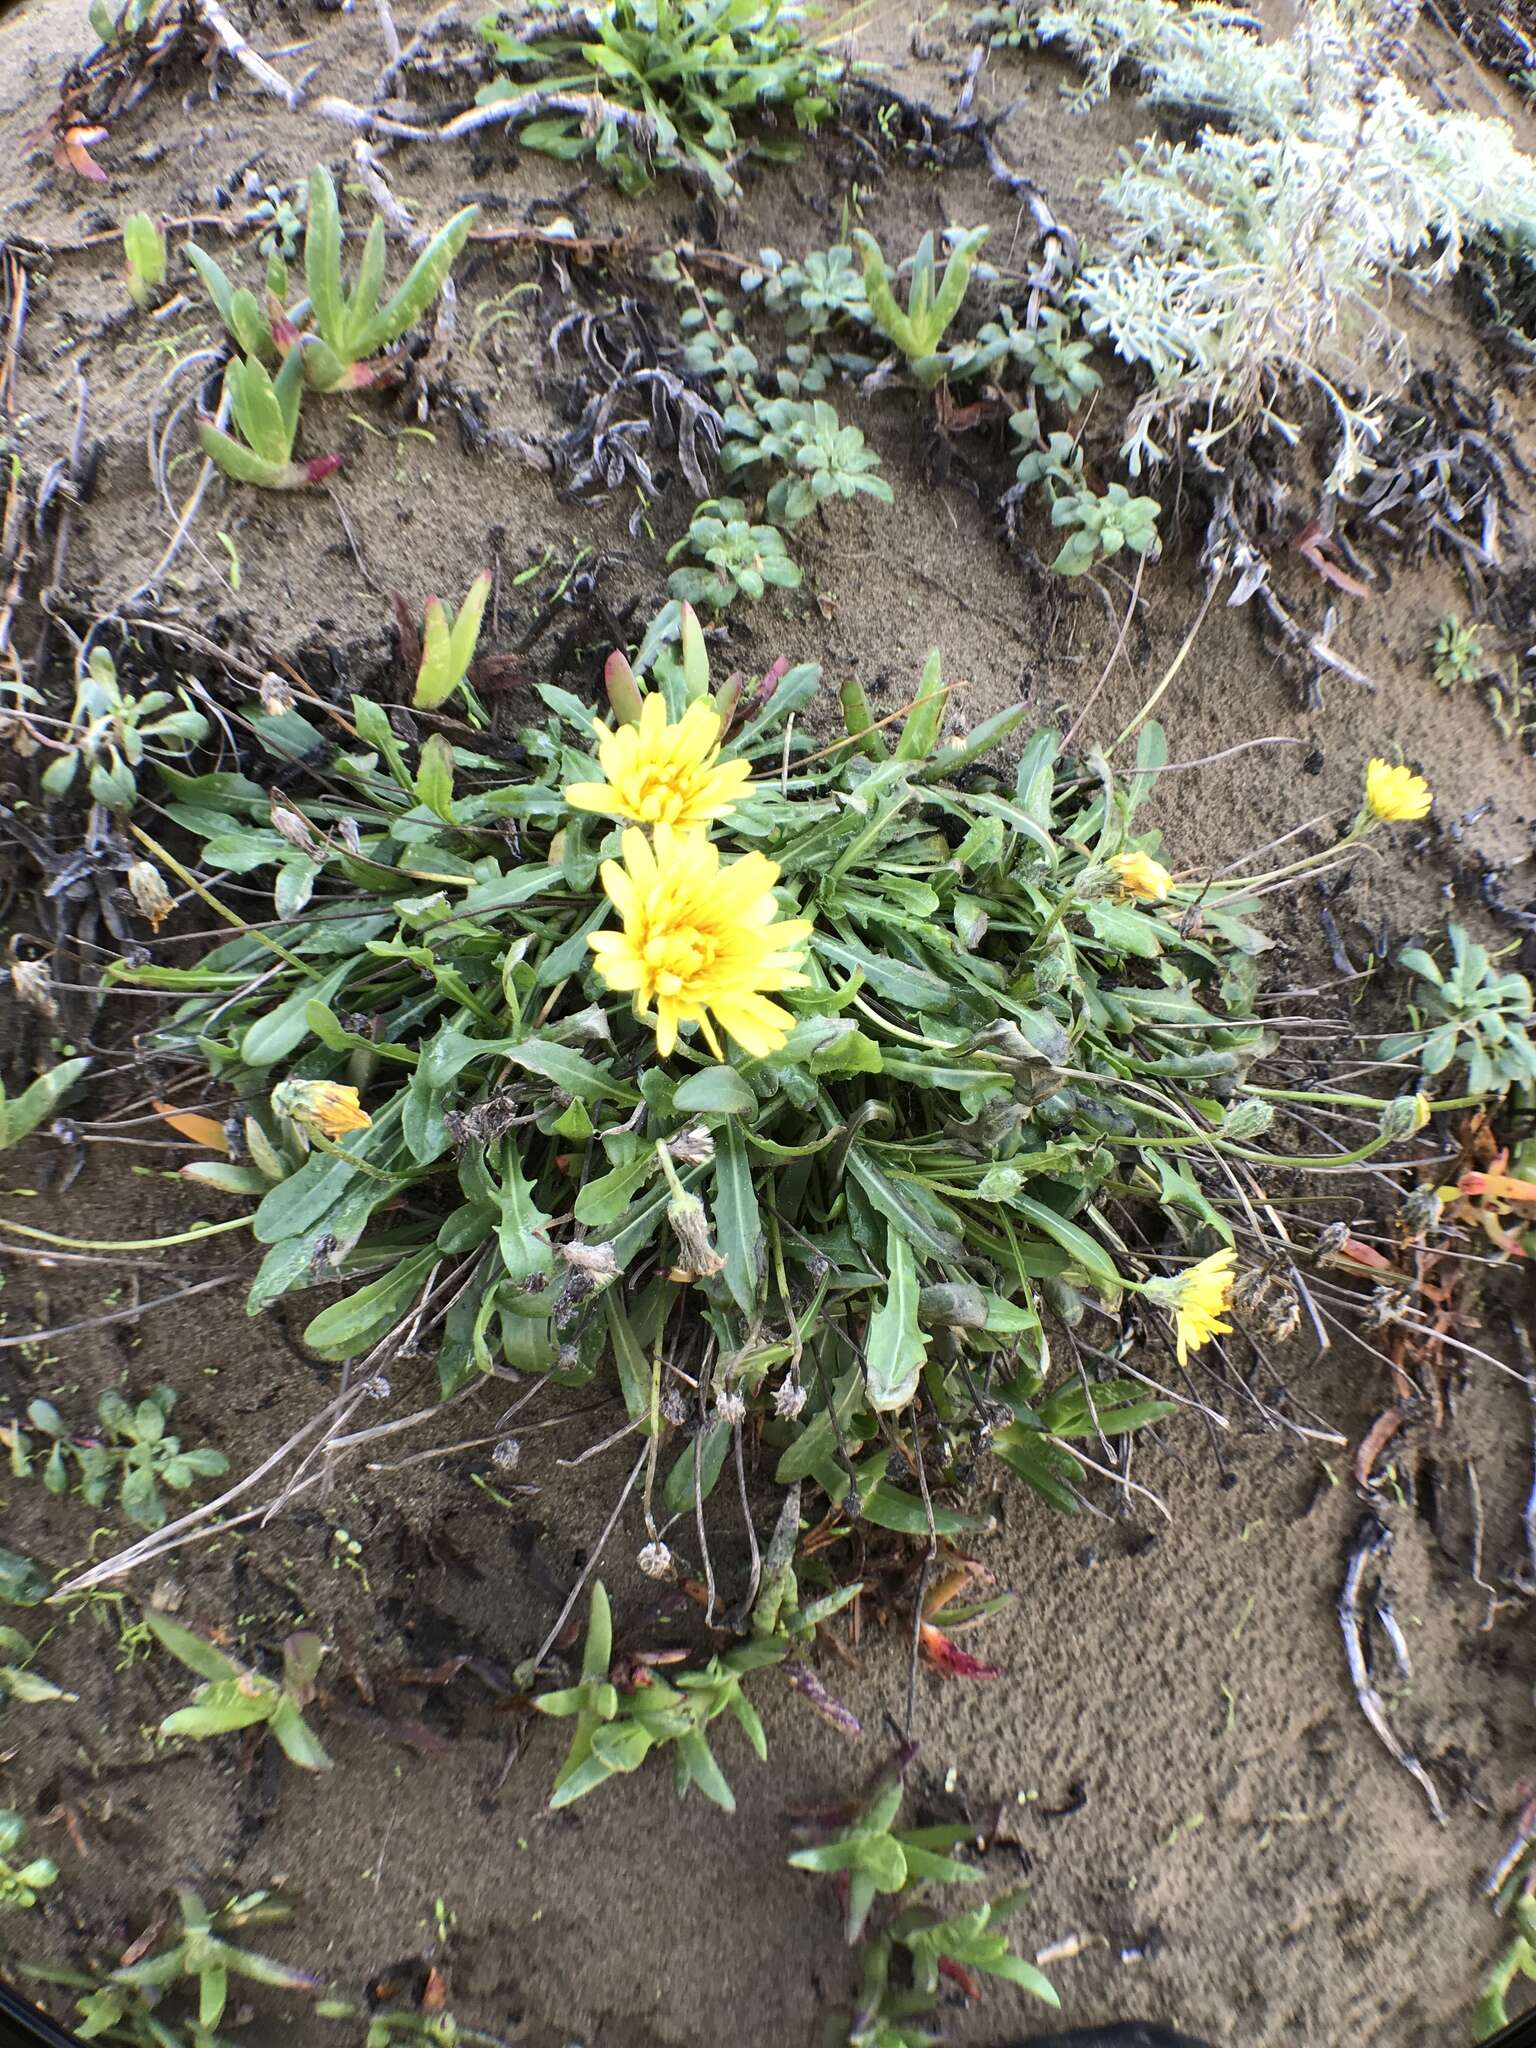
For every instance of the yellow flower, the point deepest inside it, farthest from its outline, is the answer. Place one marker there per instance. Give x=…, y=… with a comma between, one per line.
x=1142, y=877
x=1395, y=796
x=700, y=940
x=1199, y=1297
x=663, y=774
x=324, y=1107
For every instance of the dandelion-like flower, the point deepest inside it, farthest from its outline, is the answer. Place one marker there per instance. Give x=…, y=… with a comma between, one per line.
x=663, y=774
x=1394, y=795
x=1142, y=877
x=324, y=1108
x=701, y=943
x=1199, y=1298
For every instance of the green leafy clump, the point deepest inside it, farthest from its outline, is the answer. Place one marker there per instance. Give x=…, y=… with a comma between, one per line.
x=622, y=1715
x=135, y=1455
x=641, y=83
x=112, y=731
x=21, y=1884
x=265, y=410
x=1471, y=1013
x=917, y=329
x=122, y=26
x=234, y=1697
x=1101, y=523
x=1456, y=653
x=1491, y=2014
x=816, y=294
x=126, y=2004
x=741, y=559
x=1055, y=360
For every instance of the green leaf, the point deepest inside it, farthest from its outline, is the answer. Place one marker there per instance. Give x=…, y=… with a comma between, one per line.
x=1082, y=1249
x=895, y=1348
x=21, y=1116
x=349, y=1326
x=298, y=1740
x=21, y=1583
x=322, y=261
x=284, y=1029
x=736, y=1216
x=192, y=1650
x=434, y=778
x=718, y=1091
x=221, y=1708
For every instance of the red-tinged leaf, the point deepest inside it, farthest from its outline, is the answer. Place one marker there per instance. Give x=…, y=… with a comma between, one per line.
x=831, y=1710
x=1365, y=1255
x=320, y=467
x=405, y=627
x=72, y=152
x=1311, y=553
x=284, y=333
x=957, y=1973
x=435, y=1995
x=1374, y=1442
x=948, y=1657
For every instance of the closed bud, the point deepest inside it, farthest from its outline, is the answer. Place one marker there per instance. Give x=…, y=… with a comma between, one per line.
x=1247, y=1119
x=151, y=898
x=1053, y=970
x=1403, y=1116
x=623, y=690
x=695, y=655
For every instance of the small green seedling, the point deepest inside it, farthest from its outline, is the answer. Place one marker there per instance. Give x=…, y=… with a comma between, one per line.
x=266, y=411
x=138, y=1454
x=353, y=326
x=20, y=1115
x=958, y=1948
x=616, y=1729
x=1103, y=525
x=1473, y=1014
x=247, y=322
x=831, y=459
x=21, y=1884
x=918, y=330
x=18, y=1682
x=21, y=1583
x=144, y=256
x=876, y=1856
x=743, y=559
x=111, y=731
x=122, y=26
x=1456, y=653
x=448, y=645
x=235, y=1697
x=432, y=2029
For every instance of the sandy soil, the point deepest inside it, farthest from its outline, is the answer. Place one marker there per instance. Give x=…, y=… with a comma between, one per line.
x=1174, y=1762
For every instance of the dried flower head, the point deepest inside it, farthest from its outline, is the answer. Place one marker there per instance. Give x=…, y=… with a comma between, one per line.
x=277, y=697
x=595, y=1261
x=789, y=1400
x=690, y=1224
x=151, y=898
x=506, y=1454
x=692, y=1146
x=655, y=1560
x=731, y=1407
x=34, y=987
x=663, y=774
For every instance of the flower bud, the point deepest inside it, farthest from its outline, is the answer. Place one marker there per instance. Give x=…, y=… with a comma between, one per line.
x=324, y=1108
x=151, y=898
x=623, y=690
x=1403, y=1116
x=1052, y=971
x=1247, y=1119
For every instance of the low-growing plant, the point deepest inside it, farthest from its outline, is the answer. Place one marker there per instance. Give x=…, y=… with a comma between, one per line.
x=18, y=1681
x=871, y=1857
x=21, y=1114
x=21, y=1884
x=815, y=294
x=917, y=329
x=135, y=1454
x=1471, y=1013
x=742, y=559
x=922, y=1946
x=432, y=2029
x=113, y=730
x=1055, y=360
x=676, y=76
x=1102, y=524
x=144, y=258
x=1456, y=653
x=1491, y=2014
x=623, y=1711
x=125, y=23
x=235, y=1697
x=125, y=2004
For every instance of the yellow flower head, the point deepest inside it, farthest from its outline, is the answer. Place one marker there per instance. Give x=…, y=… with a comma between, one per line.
x=700, y=941
x=1142, y=877
x=1395, y=796
x=663, y=774
x=1199, y=1296
x=324, y=1108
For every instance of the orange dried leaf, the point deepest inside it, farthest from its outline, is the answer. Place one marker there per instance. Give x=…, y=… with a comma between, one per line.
x=202, y=1130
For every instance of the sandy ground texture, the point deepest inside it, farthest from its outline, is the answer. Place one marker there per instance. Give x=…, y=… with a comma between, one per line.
x=1173, y=1762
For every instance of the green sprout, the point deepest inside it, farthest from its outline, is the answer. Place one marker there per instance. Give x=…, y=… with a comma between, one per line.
x=1103, y=525
x=235, y=1697
x=743, y=559
x=616, y=1729
x=18, y=1682
x=353, y=326
x=1473, y=1014
x=247, y=322
x=266, y=411
x=144, y=255
x=141, y=1460
x=21, y=1885
x=448, y=645
x=959, y=1947
x=826, y=459
x=918, y=330
x=111, y=731
x=1491, y=2013
x=21, y=1114
x=122, y=26
x=1456, y=653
